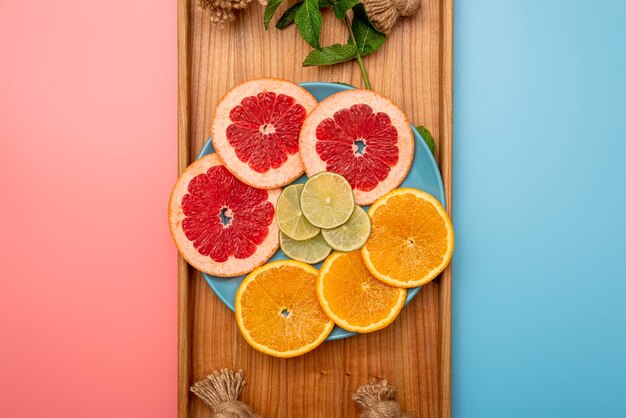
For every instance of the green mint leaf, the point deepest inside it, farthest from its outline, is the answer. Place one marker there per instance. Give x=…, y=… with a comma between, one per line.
x=427, y=137
x=342, y=6
x=368, y=39
x=359, y=11
x=309, y=22
x=270, y=9
x=289, y=16
x=330, y=55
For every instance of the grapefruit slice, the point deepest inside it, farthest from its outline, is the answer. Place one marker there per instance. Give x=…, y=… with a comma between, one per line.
x=364, y=137
x=220, y=225
x=256, y=128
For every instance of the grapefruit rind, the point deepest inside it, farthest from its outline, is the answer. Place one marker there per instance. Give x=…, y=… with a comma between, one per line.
x=325, y=109
x=246, y=334
x=394, y=310
x=449, y=238
x=273, y=178
x=233, y=266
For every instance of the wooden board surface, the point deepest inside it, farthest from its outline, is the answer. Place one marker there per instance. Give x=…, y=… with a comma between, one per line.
x=413, y=68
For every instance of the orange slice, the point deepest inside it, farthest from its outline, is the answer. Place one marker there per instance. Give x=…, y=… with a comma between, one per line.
x=353, y=298
x=412, y=238
x=277, y=310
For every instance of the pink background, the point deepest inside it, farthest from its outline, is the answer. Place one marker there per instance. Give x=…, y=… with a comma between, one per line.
x=88, y=271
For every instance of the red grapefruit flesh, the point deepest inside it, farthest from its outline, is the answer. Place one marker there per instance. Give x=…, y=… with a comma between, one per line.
x=364, y=137
x=220, y=225
x=256, y=128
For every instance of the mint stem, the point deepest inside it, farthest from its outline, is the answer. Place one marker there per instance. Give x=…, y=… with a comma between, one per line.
x=366, y=78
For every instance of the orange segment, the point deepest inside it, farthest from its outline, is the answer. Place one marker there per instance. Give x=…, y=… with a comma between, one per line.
x=353, y=298
x=412, y=238
x=277, y=309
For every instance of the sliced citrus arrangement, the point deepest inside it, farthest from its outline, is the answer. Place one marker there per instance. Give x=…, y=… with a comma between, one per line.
x=327, y=200
x=361, y=135
x=255, y=131
x=351, y=235
x=220, y=225
x=312, y=250
x=290, y=218
x=412, y=238
x=278, y=312
x=353, y=298
x=228, y=215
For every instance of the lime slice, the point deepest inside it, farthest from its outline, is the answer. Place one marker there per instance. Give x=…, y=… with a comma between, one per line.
x=351, y=235
x=312, y=250
x=289, y=216
x=327, y=200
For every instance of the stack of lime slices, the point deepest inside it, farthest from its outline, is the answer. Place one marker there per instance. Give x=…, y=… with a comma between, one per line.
x=320, y=216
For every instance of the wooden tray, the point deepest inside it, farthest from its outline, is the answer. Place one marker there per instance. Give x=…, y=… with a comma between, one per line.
x=413, y=68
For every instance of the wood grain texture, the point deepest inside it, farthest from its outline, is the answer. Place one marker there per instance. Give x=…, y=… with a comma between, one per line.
x=445, y=165
x=184, y=149
x=414, y=69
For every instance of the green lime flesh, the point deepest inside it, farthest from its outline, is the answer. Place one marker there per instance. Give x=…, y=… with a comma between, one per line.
x=327, y=200
x=352, y=235
x=312, y=250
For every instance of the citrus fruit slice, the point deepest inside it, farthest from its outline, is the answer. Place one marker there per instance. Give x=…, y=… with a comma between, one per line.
x=353, y=298
x=412, y=238
x=351, y=235
x=312, y=250
x=290, y=218
x=255, y=131
x=278, y=312
x=364, y=137
x=327, y=200
x=220, y=225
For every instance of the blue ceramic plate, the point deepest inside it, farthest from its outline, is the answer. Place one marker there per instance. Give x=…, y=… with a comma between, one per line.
x=424, y=175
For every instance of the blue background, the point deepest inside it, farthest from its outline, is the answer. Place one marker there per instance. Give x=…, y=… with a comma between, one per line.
x=539, y=324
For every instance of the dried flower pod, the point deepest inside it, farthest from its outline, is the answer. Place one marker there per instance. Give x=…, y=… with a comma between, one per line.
x=220, y=391
x=222, y=11
x=385, y=13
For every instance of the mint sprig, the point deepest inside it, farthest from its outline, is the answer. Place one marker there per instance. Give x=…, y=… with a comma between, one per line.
x=364, y=38
x=309, y=22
